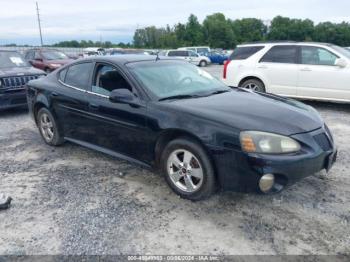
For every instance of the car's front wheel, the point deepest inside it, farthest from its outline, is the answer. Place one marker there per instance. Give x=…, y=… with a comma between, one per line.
x=48, y=127
x=254, y=84
x=188, y=169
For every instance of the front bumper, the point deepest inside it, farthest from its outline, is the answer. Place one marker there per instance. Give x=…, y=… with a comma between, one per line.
x=13, y=98
x=244, y=173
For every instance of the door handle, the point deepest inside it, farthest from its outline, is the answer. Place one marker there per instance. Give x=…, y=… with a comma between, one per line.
x=306, y=69
x=93, y=106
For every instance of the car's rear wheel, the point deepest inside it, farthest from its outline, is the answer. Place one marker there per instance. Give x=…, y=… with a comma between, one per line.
x=203, y=63
x=254, y=84
x=48, y=127
x=188, y=170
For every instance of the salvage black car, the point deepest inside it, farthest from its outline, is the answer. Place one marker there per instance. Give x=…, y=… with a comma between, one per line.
x=168, y=114
x=15, y=72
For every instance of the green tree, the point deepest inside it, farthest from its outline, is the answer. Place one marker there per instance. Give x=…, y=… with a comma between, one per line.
x=193, y=32
x=218, y=31
x=248, y=30
x=284, y=28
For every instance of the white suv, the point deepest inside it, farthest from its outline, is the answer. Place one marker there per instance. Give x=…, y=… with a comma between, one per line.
x=301, y=70
x=188, y=55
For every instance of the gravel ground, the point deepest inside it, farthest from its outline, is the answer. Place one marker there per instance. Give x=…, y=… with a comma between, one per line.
x=71, y=200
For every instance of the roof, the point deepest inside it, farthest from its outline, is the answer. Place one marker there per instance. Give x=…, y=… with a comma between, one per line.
x=124, y=59
x=285, y=43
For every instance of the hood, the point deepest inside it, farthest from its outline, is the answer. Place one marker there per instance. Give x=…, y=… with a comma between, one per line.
x=247, y=110
x=20, y=71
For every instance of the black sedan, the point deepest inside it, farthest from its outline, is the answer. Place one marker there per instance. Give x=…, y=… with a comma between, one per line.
x=168, y=114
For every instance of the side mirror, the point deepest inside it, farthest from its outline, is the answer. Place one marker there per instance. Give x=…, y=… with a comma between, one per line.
x=341, y=62
x=122, y=96
x=38, y=59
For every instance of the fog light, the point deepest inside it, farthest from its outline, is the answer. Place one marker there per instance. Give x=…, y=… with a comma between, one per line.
x=266, y=182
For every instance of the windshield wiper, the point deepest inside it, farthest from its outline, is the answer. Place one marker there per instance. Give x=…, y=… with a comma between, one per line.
x=178, y=97
x=218, y=92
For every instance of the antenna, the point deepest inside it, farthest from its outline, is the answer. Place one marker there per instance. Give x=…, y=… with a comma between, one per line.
x=38, y=14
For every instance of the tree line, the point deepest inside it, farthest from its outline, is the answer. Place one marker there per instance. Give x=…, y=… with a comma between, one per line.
x=217, y=31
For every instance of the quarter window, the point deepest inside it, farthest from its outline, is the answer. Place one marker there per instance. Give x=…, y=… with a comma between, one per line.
x=78, y=75
x=311, y=55
x=107, y=79
x=281, y=54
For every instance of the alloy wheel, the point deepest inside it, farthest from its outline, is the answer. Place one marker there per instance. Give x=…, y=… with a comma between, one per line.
x=46, y=127
x=252, y=86
x=185, y=171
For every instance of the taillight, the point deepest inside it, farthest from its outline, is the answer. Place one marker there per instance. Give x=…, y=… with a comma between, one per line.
x=225, y=68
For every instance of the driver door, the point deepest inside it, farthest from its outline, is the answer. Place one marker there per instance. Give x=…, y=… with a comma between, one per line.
x=117, y=127
x=319, y=77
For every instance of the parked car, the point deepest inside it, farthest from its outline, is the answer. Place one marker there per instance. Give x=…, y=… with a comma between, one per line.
x=171, y=115
x=201, y=50
x=93, y=51
x=15, y=72
x=189, y=56
x=128, y=52
x=301, y=70
x=47, y=59
x=217, y=57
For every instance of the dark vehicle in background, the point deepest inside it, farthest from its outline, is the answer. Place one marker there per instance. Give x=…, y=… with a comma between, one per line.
x=169, y=114
x=15, y=72
x=46, y=59
x=217, y=57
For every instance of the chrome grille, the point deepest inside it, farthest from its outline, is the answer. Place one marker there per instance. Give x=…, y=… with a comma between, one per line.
x=16, y=81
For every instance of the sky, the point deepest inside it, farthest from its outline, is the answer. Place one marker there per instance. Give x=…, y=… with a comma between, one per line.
x=116, y=20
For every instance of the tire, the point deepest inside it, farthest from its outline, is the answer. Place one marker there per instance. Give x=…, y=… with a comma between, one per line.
x=195, y=179
x=48, y=128
x=254, y=84
x=203, y=63
x=47, y=70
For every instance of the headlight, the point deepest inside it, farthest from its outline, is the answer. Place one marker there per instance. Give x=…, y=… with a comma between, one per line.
x=55, y=65
x=268, y=143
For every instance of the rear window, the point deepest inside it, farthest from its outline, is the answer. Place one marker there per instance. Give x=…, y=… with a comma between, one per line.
x=286, y=54
x=241, y=53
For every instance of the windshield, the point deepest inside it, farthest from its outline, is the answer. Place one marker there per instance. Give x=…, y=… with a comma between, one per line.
x=54, y=55
x=342, y=50
x=12, y=59
x=175, y=78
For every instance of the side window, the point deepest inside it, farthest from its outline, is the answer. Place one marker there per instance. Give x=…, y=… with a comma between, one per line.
x=281, y=54
x=192, y=54
x=78, y=75
x=106, y=79
x=184, y=53
x=172, y=53
x=62, y=74
x=241, y=53
x=311, y=55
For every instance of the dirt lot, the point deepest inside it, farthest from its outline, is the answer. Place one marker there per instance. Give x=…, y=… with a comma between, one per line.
x=71, y=200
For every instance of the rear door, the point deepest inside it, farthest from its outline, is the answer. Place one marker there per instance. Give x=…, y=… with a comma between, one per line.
x=319, y=77
x=70, y=100
x=280, y=70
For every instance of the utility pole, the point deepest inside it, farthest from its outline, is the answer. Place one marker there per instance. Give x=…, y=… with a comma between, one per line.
x=38, y=14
